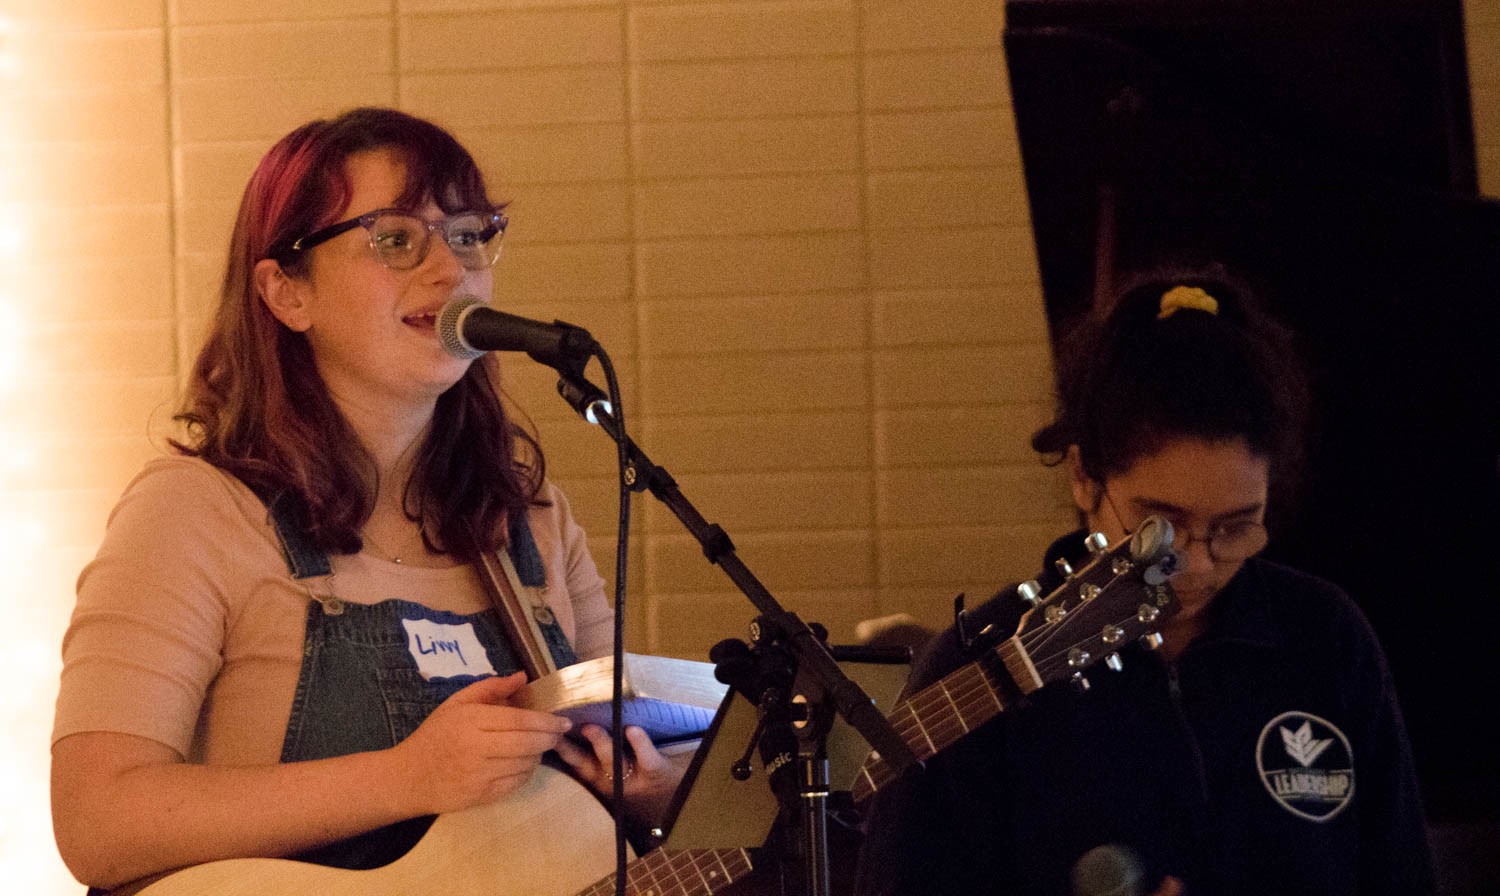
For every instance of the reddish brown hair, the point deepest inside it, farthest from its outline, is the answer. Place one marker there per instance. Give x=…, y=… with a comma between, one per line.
x=256, y=407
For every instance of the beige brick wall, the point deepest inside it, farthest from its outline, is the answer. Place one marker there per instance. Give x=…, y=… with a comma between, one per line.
x=1482, y=28
x=799, y=227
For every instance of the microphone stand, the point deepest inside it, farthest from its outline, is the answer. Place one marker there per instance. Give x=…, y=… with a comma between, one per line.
x=567, y=350
x=780, y=639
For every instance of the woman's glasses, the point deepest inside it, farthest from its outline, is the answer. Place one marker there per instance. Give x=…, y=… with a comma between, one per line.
x=1228, y=542
x=401, y=240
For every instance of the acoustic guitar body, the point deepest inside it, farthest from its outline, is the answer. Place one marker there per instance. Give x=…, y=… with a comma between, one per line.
x=550, y=838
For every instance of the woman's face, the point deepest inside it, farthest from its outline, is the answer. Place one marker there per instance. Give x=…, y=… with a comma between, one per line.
x=371, y=328
x=1200, y=487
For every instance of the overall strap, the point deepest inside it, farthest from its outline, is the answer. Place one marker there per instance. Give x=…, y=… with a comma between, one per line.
x=523, y=552
x=534, y=635
x=303, y=559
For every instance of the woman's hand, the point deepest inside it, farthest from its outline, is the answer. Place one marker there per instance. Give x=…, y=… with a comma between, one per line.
x=474, y=748
x=650, y=778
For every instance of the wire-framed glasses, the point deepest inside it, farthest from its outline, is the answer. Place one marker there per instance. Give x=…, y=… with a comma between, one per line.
x=1228, y=542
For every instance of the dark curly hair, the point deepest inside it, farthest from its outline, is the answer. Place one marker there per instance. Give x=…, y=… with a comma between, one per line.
x=1130, y=380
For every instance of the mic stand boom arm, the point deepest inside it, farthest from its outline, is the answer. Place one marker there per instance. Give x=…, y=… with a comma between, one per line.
x=810, y=653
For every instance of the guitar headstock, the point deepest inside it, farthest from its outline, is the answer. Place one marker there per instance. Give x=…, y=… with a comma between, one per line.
x=1120, y=595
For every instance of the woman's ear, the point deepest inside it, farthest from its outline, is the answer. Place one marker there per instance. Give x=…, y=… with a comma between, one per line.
x=1087, y=495
x=284, y=295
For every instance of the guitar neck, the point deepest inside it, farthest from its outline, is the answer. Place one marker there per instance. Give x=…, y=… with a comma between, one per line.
x=683, y=872
x=938, y=715
x=1120, y=594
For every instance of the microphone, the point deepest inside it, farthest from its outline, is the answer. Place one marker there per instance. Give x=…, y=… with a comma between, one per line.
x=1109, y=870
x=467, y=328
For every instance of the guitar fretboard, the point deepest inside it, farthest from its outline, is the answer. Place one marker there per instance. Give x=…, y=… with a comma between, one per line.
x=935, y=717
x=678, y=872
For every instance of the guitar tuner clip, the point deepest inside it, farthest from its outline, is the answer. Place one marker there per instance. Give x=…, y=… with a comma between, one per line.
x=969, y=640
x=965, y=638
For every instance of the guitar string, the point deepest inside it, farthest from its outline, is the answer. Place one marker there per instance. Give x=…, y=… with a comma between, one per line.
x=958, y=691
x=698, y=879
x=1049, y=628
x=930, y=700
x=931, y=695
x=969, y=684
x=678, y=864
x=634, y=876
x=974, y=679
x=706, y=880
x=716, y=857
x=650, y=870
x=641, y=873
x=968, y=693
x=906, y=718
x=656, y=873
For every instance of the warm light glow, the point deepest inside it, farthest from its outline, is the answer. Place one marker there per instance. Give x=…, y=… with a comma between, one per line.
x=13, y=337
x=12, y=356
x=9, y=65
x=37, y=596
x=12, y=237
x=27, y=536
x=16, y=458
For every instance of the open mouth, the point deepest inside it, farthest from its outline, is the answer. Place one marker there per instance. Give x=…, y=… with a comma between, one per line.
x=425, y=320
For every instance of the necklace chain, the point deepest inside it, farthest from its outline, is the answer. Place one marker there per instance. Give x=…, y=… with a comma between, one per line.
x=380, y=550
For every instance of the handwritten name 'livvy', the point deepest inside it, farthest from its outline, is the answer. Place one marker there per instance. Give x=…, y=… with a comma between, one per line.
x=434, y=645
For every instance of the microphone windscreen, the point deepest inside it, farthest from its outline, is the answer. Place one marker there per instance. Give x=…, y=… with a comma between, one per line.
x=450, y=327
x=1109, y=870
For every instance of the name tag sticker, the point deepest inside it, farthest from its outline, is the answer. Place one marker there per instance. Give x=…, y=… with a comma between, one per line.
x=446, y=651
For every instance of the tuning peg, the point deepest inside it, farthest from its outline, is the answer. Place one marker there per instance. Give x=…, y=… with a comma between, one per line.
x=1096, y=543
x=1080, y=684
x=1064, y=567
x=1114, y=663
x=1030, y=591
x=1151, y=640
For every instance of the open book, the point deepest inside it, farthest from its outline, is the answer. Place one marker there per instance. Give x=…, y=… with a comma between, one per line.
x=673, y=700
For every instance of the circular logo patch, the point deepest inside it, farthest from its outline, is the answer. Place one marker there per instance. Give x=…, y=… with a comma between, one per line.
x=1306, y=764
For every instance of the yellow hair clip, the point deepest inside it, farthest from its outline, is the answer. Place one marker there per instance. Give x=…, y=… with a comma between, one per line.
x=1180, y=297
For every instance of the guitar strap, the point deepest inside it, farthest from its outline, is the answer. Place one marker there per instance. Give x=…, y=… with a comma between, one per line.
x=498, y=575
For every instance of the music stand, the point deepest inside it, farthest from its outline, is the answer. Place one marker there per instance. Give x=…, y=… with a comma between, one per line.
x=711, y=809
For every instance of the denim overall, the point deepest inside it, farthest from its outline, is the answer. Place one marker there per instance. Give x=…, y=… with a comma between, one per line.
x=360, y=688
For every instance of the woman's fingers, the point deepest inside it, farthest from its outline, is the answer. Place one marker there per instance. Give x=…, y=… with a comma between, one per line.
x=647, y=758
